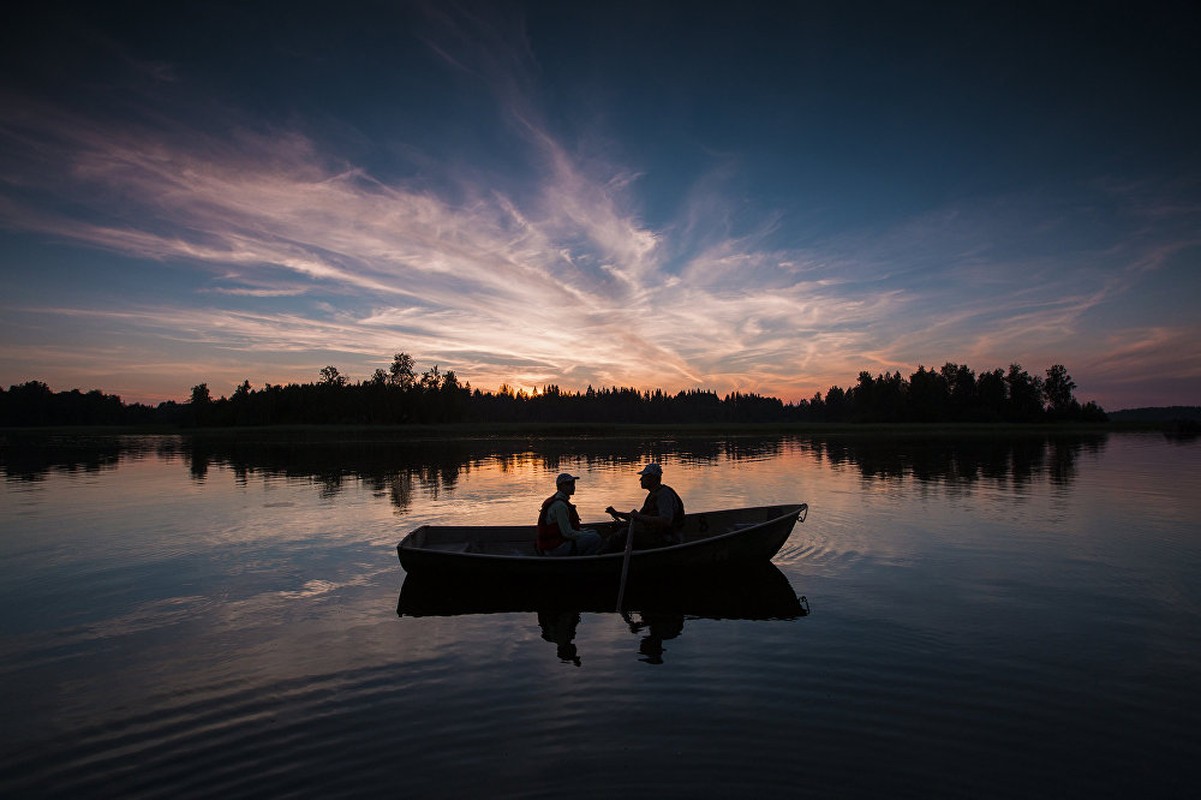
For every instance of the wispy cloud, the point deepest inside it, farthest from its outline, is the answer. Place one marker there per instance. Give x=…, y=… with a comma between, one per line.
x=298, y=254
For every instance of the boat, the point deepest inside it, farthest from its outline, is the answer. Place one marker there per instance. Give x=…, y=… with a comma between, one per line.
x=756, y=591
x=711, y=539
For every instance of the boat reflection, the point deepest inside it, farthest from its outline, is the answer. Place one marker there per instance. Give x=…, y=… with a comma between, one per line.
x=559, y=628
x=656, y=611
x=758, y=591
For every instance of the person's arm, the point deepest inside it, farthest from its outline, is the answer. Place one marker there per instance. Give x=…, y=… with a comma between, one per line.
x=620, y=516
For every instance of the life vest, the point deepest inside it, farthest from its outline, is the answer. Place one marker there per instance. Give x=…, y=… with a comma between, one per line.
x=549, y=535
x=650, y=506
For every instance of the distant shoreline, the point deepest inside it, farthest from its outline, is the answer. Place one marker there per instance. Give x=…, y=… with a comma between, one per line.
x=448, y=431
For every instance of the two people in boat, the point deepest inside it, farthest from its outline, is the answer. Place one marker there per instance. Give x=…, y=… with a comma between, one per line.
x=657, y=524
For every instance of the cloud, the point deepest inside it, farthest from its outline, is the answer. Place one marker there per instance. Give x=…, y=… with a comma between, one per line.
x=266, y=212
x=1145, y=355
x=536, y=262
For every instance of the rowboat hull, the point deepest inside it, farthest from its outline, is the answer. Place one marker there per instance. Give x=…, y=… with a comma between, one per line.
x=711, y=539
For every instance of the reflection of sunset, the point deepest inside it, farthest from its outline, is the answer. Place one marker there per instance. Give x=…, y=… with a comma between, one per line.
x=185, y=610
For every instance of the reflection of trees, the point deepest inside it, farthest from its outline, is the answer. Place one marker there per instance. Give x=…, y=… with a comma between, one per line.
x=31, y=456
x=1183, y=431
x=396, y=470
x=398, y=488
x=402, y=469
x=960, y=460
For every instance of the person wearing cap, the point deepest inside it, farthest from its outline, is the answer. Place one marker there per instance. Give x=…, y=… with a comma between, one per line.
x=559, y=531
x=660, y=520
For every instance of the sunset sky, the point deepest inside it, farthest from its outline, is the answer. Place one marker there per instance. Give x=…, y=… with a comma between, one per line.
x=768, y=197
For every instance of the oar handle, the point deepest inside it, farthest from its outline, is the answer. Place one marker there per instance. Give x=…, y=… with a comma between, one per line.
x=625, y=565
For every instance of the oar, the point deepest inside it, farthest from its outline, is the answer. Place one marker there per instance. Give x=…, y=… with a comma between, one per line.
x=625, y=564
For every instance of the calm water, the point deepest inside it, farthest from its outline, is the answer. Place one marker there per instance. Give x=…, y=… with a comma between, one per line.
x=986, y=617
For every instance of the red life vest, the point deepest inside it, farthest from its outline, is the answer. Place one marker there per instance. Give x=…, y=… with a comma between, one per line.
x=549, y=535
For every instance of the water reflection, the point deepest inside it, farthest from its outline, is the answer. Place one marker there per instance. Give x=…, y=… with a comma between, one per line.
x=1183, y=432
x=655, y=611
x=559, y=627
x=167, y=634
x=961, y=459
x=659, y=626
x=401, y=470
x=30, y=456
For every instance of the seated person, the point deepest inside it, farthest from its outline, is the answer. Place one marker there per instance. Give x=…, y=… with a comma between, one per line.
x=559, y=532
x=658, y=523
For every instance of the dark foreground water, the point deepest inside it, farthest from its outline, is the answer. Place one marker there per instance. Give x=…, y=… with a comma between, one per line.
x=980, y=618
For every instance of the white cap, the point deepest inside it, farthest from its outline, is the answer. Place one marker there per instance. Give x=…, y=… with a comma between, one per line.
x=652, y=469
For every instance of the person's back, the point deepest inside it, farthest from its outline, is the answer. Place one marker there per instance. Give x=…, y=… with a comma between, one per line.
x=658, y=523
x=665, y=502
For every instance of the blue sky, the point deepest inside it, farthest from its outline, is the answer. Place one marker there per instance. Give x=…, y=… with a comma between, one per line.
x=767, y=197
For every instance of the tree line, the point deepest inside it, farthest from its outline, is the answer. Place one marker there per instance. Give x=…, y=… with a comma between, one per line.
x=399, y=395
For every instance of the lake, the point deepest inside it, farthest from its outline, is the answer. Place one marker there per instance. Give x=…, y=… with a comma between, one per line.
x=960, y=615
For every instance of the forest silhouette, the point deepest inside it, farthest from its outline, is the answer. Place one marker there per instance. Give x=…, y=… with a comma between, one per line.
x=401, y=396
